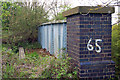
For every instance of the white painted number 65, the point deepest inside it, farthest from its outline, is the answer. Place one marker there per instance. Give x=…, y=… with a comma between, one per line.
x=97, y=48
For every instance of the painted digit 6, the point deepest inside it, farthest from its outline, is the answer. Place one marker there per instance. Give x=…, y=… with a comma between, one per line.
x=89, y=46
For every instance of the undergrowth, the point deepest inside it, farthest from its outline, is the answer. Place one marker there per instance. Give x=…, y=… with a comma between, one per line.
x=35, y=66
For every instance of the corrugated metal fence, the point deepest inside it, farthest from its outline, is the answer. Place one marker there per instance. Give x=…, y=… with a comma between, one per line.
x=53, y=36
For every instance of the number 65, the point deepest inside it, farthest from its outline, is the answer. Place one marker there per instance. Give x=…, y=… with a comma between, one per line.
x=90, y=47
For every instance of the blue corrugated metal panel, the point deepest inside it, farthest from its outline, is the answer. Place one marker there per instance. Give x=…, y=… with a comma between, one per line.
x=53, y=36
x=52, y=39
x=55, y=33
x=65, y=35
x=59, y=38
x=49, y=38
x=43, y=37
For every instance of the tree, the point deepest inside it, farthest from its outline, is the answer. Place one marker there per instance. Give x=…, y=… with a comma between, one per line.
x=5, y=14
x=25, y=17
x=59, y=15
x=24, y=22
x=116, y=47
x=58, y=8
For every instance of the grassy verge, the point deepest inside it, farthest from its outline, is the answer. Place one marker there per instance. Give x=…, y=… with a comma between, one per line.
x=35, y=66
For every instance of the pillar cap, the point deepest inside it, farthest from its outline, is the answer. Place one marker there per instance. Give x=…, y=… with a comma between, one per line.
x=88, y=9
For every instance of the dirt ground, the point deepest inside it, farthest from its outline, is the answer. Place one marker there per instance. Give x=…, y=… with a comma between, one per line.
x=42, y=52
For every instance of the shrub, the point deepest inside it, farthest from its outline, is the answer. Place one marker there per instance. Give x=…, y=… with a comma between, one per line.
x=116, y=48
x=35, y=66
x=59, y=68
x=25, y=45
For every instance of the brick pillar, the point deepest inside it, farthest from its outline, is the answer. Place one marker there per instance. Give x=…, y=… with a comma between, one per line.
x=89, y=41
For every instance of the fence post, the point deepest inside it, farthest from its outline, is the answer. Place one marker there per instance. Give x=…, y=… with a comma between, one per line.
x=89, y=41
x=21, y=53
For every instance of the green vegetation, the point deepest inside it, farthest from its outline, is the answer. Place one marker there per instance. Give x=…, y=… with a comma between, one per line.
x=116, y=48
x=25, y=45
x=19, y=29
x=116, y=39
x=20, y=22
x=35, y=66
x=59, y=15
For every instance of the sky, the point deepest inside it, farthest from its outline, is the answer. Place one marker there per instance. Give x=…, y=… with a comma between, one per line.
x=75, y=3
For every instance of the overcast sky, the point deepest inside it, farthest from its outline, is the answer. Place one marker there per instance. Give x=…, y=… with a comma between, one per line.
x=87, y=2
x=75, y=3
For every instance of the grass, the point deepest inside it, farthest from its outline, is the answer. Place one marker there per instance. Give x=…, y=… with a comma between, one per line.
x=35, y=66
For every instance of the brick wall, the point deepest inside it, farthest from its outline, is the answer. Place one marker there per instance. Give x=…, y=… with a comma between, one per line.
x=91, y=64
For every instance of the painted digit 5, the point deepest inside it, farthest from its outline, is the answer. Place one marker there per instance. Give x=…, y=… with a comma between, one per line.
x=99, y=48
